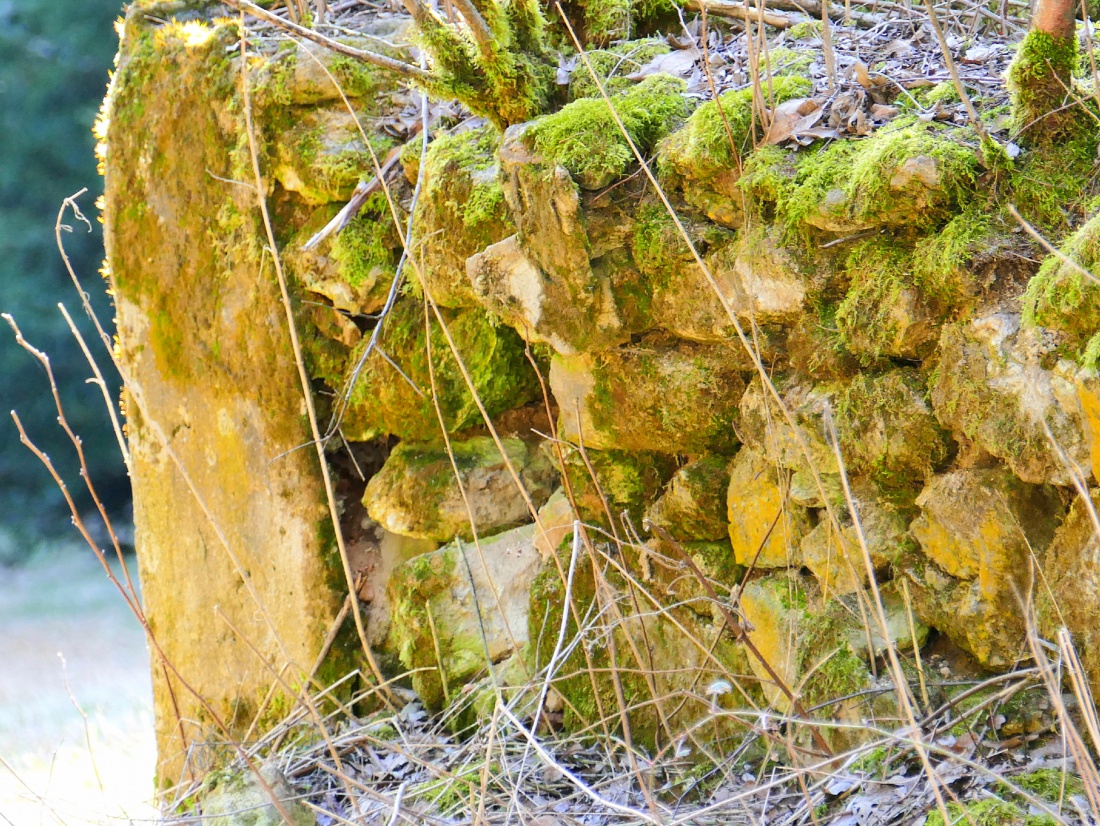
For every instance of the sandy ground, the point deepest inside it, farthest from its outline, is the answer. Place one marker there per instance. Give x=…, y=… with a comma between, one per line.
x=76, y=721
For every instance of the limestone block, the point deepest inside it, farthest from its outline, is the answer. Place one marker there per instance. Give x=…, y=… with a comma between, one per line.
x=386, y=401
x=237, y=566
x=837, y=560
x=416, y=493
x=992, y=387
x=461, y=211
x=819, y=648
x=1072, y=571
x=659, y=395
x=768, y=432
x=764, y=526
x=556, y=518
x=978, y=529
x=242, y=800
x=468, y=603
x=693, y=506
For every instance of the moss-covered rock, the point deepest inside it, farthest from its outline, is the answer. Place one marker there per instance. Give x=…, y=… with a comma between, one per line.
x=907, y=174
x=982, y=533
x=819, y=648
x=461, y=211
x=1060, y=297
x=765, y=527
x=604, y=483
x=665, y=396
x=837, y=560
x=383, y=401
x=991, y=386
x=247, y=800
x=693, y=506
x=613, y=65
x=321, y=155
x=458, y=610
x=416, y=493
x=703, y=160
x=886, y=429
x=584, y=137
x=765, y=429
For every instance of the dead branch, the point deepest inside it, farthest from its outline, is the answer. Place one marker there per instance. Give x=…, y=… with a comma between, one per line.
x=738, y=11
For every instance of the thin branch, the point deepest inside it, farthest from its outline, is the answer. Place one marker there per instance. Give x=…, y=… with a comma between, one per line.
x=398, y=66
x=480, y=30
x=737, y=11
x=1057, y=253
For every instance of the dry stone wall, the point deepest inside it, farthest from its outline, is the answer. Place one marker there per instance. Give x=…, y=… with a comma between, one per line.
x=859, y=367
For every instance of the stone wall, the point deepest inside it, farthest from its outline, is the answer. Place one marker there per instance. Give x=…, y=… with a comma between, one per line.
x=857, y=328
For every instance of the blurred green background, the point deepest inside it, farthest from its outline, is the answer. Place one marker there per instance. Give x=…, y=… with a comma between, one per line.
x=55, y=58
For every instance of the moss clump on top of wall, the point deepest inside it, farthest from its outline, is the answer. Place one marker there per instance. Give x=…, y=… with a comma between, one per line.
x=909, y=174
x=585, y=139
x=612, y=66
x=383, y=402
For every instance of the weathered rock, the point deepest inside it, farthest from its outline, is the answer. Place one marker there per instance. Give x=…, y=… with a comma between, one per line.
x=886, y=429
x=202, y=338
x=243, y=800
x=837, y=560
x=769, y=286
x=818, y=648
x=613, y=480
x=657, y=395
x=765, y=528
x=767, y=431
x=693, y=506
x=454, y=630
x=462, y=205
x=554, y=308
x=883, y=426
x=978, y=531
x=1072, y=589
x=1059, y=297
x=384, y=401
x=540, y=281
x=701, y=161
x=322, y=156
x=354, y=269
x=1086, y=386
x=993, y=388
x=556, y=519
x=416, y=493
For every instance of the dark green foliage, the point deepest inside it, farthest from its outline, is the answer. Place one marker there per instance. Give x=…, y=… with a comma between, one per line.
x=53, y=67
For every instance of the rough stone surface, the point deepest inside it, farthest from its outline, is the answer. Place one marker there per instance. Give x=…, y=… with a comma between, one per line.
x=992, y=387
x=632, y=398
x=978, y=531
x=693, y=506
x=416, y=493
x=1072, y=572
x=198, y=322
x=435, y=608
x=243, y=800
x=837, y=559
x=765, y=528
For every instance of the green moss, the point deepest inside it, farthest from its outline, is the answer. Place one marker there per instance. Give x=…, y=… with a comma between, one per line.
x=768, y=178
x=988, y=812
x=382, y=401
x=1038, y=79
x=806, y=30
x=943, y=92
x=658, y=248
x=886, y=429
x=851, y=184
x=782, y=62
x=702, y=148
x=1052, y=186
x=1059, y=297
x=612, y=66
x=866, y=318
x=606, y=20
x=939, y=261
x=585, y=139
x=366, y=250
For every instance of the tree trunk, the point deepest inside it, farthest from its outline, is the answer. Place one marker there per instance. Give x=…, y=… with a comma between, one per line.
x=1041, y=75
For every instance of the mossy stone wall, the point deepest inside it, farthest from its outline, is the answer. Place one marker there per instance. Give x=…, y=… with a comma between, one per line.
x=916, y=365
